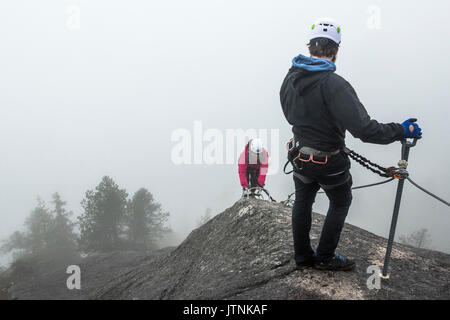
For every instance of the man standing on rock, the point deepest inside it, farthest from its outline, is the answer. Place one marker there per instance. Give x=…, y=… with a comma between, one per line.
x=321, y=106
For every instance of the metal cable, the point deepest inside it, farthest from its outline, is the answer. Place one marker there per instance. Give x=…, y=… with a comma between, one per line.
x=373, y=184
x=368, y=185
x=428, y=192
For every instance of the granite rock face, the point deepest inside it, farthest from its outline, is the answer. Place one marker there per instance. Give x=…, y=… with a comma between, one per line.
x=246, y=252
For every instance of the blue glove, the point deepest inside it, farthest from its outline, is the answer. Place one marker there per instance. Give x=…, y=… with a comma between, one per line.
x=411, y=129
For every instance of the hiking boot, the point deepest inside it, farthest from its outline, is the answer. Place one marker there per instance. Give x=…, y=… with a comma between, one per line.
x=337, y=263
x=305, y=265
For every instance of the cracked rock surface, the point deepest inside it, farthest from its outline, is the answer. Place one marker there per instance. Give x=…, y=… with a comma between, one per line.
x=246, y=252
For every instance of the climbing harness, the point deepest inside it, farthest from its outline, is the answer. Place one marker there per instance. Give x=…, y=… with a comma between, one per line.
x=400, y=173
x=298, y=156
x=291, y=155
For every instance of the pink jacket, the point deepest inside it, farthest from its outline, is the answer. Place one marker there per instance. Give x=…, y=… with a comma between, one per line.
x=246, y=162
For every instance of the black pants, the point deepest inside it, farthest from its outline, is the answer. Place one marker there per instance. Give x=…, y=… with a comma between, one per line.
x=336, y=180
x=252, y=178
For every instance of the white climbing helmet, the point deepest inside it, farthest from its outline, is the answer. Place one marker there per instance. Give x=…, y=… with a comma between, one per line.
x=326, y=28
x=256, y=145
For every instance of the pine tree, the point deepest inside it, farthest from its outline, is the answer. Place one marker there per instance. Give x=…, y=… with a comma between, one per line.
x=39, y=226
x=101, y=224
x=145, y=220
x=48, y=237
x=63, y=243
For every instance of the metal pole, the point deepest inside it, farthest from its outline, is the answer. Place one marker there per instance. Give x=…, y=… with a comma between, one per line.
x=398, y=198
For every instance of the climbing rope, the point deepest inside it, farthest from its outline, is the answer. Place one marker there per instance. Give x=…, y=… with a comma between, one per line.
x=366, y=163
x=289, y=199
x=390, y=172
x=393, y=173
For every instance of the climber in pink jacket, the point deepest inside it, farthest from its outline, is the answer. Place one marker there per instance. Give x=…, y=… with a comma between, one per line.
x=253, y=165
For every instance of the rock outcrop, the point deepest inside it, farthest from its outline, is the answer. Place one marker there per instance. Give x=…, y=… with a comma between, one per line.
x=246, y=253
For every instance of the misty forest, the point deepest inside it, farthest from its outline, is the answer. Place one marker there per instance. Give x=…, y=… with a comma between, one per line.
x=111, y=220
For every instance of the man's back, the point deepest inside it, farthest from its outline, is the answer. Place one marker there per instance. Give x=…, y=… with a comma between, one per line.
x=321, y=106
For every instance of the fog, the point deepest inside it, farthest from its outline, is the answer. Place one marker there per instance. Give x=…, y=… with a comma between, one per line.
x=103, y=97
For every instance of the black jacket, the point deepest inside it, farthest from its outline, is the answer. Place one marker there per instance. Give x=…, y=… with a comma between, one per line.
x=322, y=105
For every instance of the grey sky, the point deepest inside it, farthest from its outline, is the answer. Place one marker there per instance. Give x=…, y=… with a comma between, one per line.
x=103, y=100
